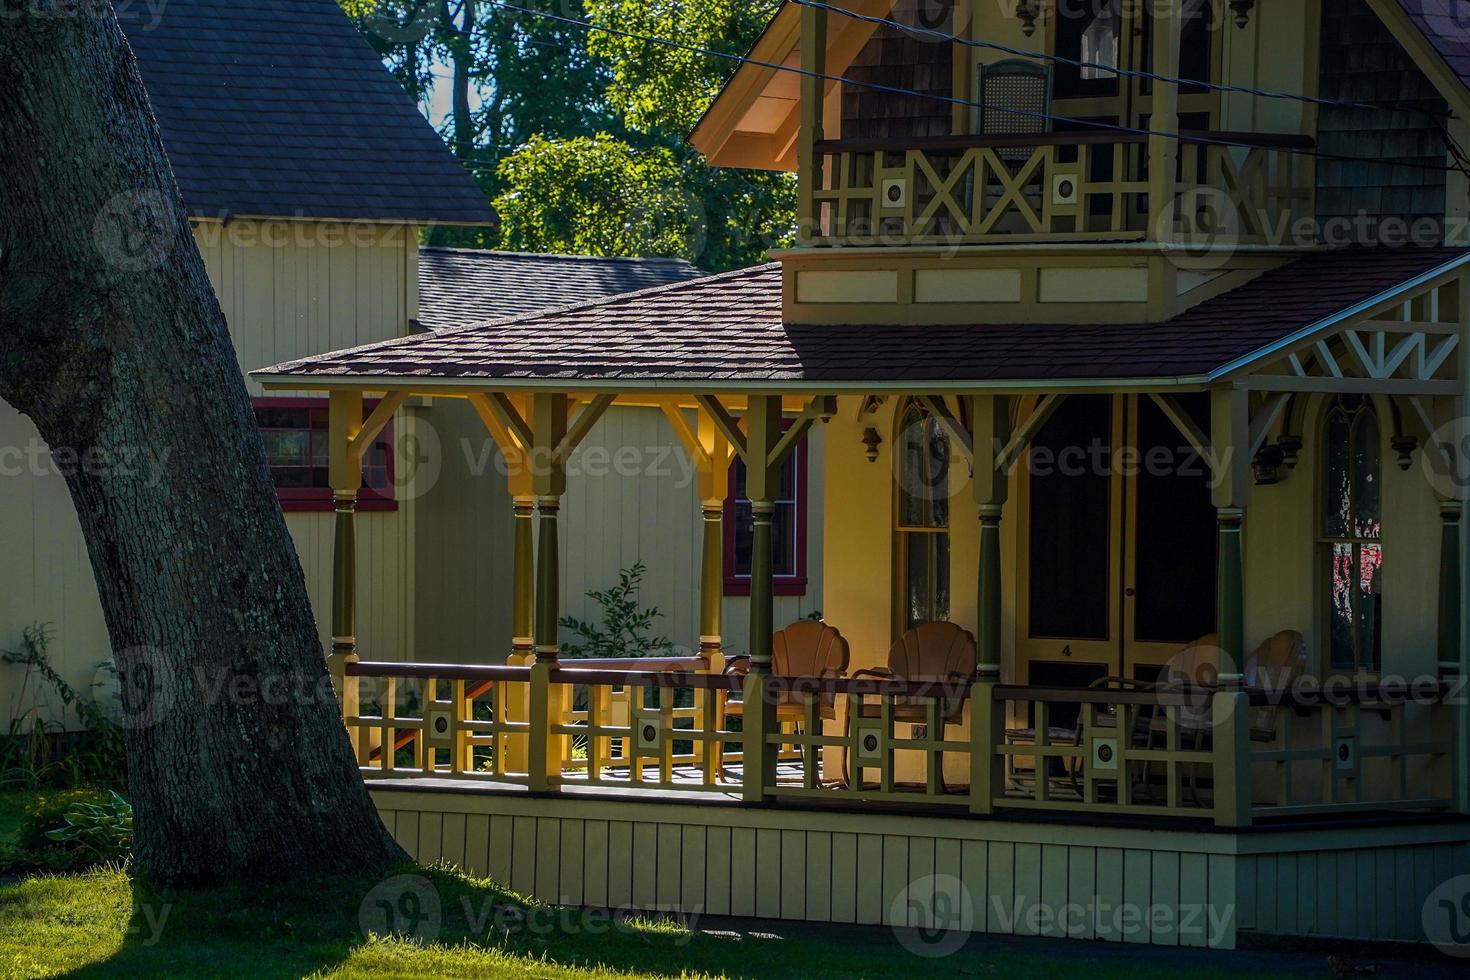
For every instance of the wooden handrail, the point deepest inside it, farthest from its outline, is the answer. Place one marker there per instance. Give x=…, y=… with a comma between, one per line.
x=446, y=672
x=693, y=664
x=1300, y=696
x=1266, y=141
x=643, y=678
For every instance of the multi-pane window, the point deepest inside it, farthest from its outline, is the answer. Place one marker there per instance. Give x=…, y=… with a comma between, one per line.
x=1352, y=528
x=295, y=435
x=923, y=517
x=788, y=529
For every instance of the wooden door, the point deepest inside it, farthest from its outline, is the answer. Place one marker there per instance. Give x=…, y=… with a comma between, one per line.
x=1070, y=573
x=1117, y=547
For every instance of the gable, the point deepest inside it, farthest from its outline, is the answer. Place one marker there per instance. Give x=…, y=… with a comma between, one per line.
x=280, y=109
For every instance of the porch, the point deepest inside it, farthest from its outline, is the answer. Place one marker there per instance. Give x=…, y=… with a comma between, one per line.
x=1243, y=750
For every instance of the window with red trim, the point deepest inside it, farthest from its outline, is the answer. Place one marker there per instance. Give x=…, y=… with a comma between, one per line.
x=788, y=529
x=295, y=435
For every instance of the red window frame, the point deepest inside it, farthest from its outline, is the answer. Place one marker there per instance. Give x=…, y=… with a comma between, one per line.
x=787, y=585
x=300, y=500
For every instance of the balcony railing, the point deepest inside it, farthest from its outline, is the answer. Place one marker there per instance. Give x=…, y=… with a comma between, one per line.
x=1248, y=188
x=961, y=744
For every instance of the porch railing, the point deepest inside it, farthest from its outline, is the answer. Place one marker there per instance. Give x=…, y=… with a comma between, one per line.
x=1228, y=756
x=1235, y=187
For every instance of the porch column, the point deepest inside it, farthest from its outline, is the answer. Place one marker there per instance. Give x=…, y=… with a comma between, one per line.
x=991, y=432
x=813, y=95
x=344, y=474
x=1230, y=462
x=714, y=481
x=762, y=475
x=548, y=478
x=1163, y=151
x=523, y=581
x=1450, y=595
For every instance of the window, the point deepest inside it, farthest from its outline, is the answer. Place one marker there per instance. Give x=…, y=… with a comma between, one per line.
x=788, y=529
x=1089, y=32
x=295, y=435
x=922, y=530
x=1352, y=526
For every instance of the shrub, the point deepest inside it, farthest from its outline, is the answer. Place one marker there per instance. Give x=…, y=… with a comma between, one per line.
x=103, y=830
x=32, y=849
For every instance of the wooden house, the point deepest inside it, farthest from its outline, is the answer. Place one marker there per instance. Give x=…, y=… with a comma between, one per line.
x=1136, y=336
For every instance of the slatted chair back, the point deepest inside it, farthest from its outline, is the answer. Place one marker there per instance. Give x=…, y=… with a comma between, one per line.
x=808, y=649
x=934, y=652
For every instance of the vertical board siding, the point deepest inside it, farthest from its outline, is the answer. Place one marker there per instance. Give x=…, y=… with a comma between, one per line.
x=286, y=292
x=1003, y=877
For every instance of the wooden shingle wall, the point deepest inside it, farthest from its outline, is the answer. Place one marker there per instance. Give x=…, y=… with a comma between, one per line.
x=1362, y=63
x=899, y=60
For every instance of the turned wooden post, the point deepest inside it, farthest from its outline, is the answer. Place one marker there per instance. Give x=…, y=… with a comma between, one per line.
x=1230, y=714
x=1163, y=151
x=548, y=477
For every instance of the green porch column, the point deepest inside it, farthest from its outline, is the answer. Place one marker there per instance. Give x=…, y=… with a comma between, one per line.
x=989, y=436
x=712, y=580
x=1451, y=597
x=523, y=581
x=762, y=475
x=547, y=700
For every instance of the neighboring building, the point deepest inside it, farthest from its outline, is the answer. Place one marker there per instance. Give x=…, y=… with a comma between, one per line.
x=1101, y=411
x=307, y=173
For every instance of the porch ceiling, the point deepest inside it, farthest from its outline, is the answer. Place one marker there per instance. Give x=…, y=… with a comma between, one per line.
x=726, y=333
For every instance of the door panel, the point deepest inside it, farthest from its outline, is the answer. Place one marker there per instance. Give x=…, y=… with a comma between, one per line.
x=1169, y=571
x=1069, y=569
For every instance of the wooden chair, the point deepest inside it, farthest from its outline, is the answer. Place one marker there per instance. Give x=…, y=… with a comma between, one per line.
x=942, y=652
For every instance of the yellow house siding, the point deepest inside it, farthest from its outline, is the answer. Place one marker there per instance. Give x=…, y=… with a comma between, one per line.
x=287, y=290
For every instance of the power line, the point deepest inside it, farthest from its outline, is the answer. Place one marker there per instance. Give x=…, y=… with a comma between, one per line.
x=933, y=34
x=955, y=101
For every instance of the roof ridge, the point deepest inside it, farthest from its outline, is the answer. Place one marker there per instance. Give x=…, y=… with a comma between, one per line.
x=506, y=253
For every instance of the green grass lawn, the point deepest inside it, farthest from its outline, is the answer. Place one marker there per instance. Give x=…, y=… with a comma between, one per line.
x=103, y=924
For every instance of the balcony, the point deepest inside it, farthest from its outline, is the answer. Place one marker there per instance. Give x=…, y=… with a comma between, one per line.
x=1229, y=188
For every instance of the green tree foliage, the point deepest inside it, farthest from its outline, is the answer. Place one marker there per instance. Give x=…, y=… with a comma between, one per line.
x=580, y=135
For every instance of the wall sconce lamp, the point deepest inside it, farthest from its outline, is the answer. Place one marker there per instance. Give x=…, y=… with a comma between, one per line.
x=1404, y=446
x=1028, y=12
x=1267, y=466
x=872, y=440
x=1242, y=10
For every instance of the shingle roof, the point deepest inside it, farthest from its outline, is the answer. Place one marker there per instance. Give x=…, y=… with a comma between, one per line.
x=728, y=330
x=279, y=108
x=460, y=286
x=1446, y=25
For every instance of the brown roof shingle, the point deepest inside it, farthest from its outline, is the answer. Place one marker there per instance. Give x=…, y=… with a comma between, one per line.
x=727, y=330
x=1445, y=24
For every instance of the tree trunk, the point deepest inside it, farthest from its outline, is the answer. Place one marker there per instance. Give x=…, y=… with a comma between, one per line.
x=112, y=341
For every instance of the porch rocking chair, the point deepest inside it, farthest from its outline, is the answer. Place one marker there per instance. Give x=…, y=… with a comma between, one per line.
x=929, y=652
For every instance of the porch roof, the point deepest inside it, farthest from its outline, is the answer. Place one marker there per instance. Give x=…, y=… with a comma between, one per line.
x=726, y=332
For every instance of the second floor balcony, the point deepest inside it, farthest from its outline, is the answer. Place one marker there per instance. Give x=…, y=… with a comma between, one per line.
x=1228, y=188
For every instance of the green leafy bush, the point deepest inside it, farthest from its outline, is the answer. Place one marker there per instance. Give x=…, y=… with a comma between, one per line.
x=31, y=848
x=626, y=628
x=103, y=830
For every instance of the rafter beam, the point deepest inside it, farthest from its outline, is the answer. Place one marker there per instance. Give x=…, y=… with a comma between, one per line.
x=1027, y=431
x=585, y=420
x=1265, y=418
x=1181, y=420
x=821, y=406
x=723, y=421
x=687, y=435
x=512, y=418
x=956, y=429
x=375, y=423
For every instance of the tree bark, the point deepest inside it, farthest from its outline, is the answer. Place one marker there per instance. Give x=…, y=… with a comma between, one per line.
x=112, y=341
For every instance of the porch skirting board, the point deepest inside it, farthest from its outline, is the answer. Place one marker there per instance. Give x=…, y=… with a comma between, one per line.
x=1165, y=887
